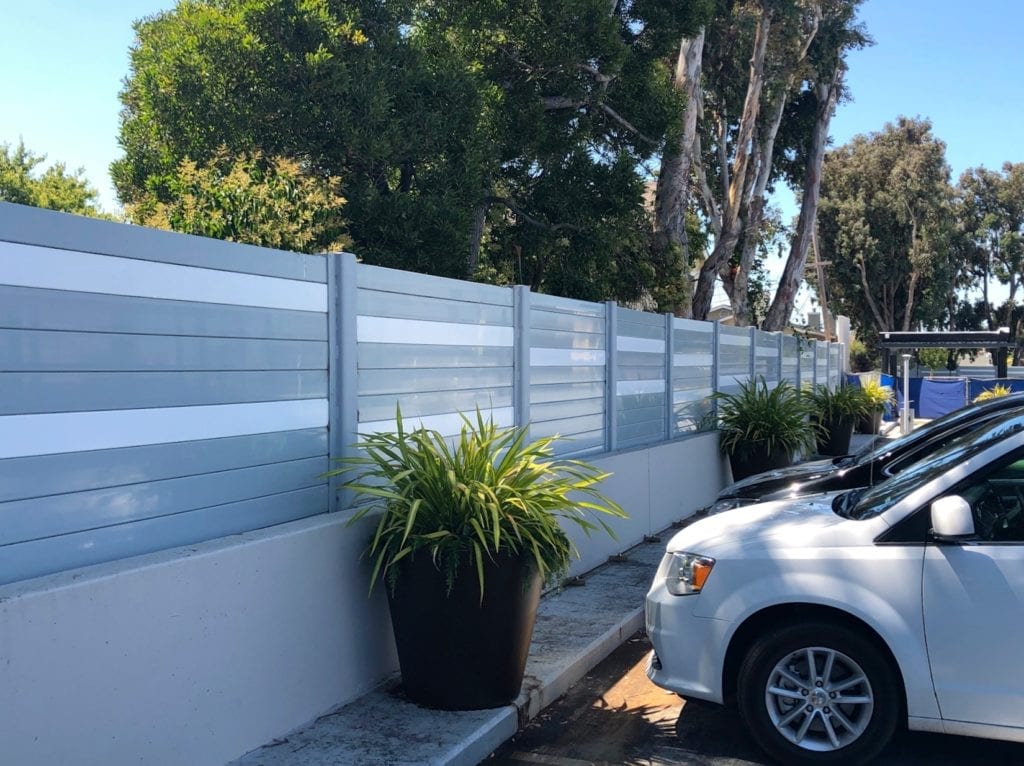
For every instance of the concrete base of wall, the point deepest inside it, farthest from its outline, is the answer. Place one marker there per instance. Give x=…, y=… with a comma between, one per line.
x=200, y=654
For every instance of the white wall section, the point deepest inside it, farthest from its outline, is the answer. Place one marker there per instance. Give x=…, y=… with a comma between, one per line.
x=373, y=329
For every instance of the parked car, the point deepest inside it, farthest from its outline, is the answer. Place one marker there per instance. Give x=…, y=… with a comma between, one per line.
x=874, y=463
x=833, y=618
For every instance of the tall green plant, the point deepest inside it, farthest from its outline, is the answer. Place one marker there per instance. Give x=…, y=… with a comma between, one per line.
x=843, y=401
x=775, y=417
x=490, y=492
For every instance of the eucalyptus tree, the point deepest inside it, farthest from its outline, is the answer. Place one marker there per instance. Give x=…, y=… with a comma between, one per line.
x=885, y=227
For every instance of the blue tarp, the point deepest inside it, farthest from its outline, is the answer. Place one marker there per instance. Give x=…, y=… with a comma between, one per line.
x=941, y=396
x=975, y=385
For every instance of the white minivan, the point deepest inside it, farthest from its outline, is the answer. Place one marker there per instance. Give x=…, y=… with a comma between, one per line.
x=833, y=618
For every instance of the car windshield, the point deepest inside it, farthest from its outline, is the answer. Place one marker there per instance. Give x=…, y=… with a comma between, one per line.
x=872, y=452
x=871, y=501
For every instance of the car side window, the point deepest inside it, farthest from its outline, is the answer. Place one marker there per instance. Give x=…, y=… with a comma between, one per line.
x=997, y=502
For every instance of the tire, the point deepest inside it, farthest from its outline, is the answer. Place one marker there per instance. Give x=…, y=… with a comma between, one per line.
x=808, y=724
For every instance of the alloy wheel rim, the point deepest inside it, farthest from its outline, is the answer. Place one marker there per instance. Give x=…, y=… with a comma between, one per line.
x=819, y=699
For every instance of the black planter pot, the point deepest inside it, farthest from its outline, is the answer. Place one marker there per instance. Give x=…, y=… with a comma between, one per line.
x=757, y=458
x=835, y=438
x=870, y=424
x=455, y=652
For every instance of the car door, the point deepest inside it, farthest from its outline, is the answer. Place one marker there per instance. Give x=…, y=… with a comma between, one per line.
x=973, y=603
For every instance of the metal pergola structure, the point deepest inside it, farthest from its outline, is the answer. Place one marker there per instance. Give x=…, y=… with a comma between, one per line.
x=993, y=340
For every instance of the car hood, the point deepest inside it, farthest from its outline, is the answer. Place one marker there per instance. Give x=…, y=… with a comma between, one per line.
x=798, y=522
x=762, y=483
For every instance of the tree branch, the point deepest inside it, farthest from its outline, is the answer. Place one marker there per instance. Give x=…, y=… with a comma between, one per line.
x=536, y=222
x=627, y=125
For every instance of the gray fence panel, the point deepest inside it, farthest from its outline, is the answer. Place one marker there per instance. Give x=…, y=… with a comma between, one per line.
x=567, y=372
x=39, y=392
x=46, y=351
x=41, y=475
x=641, y=385
x=791, y=359
x=29, y=308
x=821, y=363
x=139, y=322
x=55, y=554
x=835, y=361
x=766, y=356
x=733, y=357
x=807, y=364
x=425, y=354
x=692, y=374
x=45, y=228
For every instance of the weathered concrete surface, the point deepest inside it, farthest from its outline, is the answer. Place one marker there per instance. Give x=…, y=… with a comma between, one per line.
x=576, y=628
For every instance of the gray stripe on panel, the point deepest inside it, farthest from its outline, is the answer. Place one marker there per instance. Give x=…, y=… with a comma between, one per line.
x=46, y=351
x=556, y=303
x=374, y=408
x=567, y=409
x=568, y=426
x=572, y=323
x=40, y=475
x=540, y=376
x=568, y=391
x=46, y=392
x=373, y=382
x=561, y=339
x=46, y=228
x=380, y=304
x=33, y=308
x=40, y=557
x=38, y=518
x=634, y=407
x=403, y=282
x=391, y=356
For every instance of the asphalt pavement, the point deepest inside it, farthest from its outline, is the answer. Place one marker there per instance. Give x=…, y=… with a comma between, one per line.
x=615, y=715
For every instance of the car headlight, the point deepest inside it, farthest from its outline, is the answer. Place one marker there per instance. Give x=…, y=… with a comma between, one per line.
x=731, y=502
x=685, y=573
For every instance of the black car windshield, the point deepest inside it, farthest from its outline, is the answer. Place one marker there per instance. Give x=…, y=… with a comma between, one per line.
x=870, y=502
x=872, y=452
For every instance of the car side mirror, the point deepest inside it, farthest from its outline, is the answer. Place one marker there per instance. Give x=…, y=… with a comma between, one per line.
x=952, y=519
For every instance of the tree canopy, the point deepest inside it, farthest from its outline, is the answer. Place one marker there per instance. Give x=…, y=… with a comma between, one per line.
x=54, y=188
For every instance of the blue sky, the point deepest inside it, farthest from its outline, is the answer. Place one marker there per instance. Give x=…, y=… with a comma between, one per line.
x=958, y=64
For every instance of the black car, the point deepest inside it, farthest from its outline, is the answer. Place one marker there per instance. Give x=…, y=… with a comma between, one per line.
x=867, y=467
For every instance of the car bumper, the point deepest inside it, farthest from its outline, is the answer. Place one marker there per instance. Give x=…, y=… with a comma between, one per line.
x=688, y=650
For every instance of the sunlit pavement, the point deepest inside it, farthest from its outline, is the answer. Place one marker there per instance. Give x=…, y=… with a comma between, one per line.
x=614, y=715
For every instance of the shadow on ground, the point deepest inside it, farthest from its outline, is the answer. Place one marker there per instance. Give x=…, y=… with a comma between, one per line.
x=614, y=715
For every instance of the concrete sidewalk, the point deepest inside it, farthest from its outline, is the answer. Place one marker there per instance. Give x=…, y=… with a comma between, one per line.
x=576, y=628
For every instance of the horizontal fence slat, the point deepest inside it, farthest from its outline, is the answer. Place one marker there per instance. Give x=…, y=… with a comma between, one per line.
x=40, y=557
x=406, y=306
x=564, y=392
x=540, y=376
x=25, y=520
x=42, y=475
x=398, y=356
x=561, y=339
x=375, y=382
x=45, y=351
x=52, y=392
x=29, y=225
x=372, y=408
x=407, y=282
x=30, y=308
x=571, y=323
x=566, y=409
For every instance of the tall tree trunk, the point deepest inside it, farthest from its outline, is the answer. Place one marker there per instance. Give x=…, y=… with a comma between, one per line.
x=782, y=304
x=725, y=243
x=672, y=195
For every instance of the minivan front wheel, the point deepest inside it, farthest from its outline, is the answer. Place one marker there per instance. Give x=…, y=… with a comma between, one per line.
x=814, y=693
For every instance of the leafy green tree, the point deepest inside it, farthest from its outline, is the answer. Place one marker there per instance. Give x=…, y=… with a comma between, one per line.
x=491, y=140
x=884, y=224
x=54, y=188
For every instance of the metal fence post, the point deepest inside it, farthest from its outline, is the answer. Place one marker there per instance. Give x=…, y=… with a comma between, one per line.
x=828, y=364
x=753, y=351
x=521, y=362
x=714, y=366
x=782, y=350
x=669, y=371
x=814, y=364
x=611, y=376
x=342, y=366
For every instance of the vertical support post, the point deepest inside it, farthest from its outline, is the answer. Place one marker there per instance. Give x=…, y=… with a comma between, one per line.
x=715, y=365
x=753, y=351
x=670, y=425
x=521, y=354
x=905, y=418
x=780, y=338
x=611, y=405
x=814, y=364
x=828, y=364
x=342, y=366
x=799, y=363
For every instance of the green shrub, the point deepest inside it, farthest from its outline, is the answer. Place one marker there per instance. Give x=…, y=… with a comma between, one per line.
x=775, y=417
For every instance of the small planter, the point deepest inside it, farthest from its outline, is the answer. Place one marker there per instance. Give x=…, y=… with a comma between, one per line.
x=835, y=434
x=455, y=652
x=870, y=424
x=756, y=459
